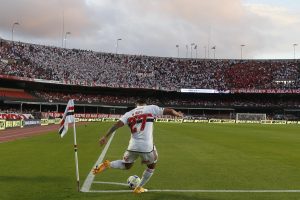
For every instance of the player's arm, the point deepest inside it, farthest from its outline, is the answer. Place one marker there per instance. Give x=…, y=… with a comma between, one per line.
x=170, y=111
x=112, y=129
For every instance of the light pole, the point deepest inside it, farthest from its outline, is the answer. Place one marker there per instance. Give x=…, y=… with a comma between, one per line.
x=67, y=33
x=187, y=51
x=204, y=52
x=214, y=48
x=192, y=49
x=12, y=30
x=242, y=45
x=294, y=45
x=117, y=46
x=177, y=46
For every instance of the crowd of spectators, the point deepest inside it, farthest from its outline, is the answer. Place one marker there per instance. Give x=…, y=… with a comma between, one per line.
x=171, y=101
x=90, y=98
x=84, y=67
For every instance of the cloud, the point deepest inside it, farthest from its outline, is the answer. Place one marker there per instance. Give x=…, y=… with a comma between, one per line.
x=280, y=30
x=280, y=15
x=155, y=27
x=44, y=19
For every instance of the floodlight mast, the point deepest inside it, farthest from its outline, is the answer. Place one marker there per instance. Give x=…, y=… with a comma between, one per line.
x=242, y=46
x=13, y=30
x=177, y=46
x=117, y=46
x=294, y=45
x=67, y=33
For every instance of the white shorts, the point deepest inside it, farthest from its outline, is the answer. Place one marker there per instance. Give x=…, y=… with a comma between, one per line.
x=147, y=158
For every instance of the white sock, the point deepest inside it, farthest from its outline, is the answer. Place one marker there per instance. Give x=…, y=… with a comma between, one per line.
x=146, y=176
x=117, y=164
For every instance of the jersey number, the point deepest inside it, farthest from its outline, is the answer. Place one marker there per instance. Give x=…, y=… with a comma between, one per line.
x=132, y=121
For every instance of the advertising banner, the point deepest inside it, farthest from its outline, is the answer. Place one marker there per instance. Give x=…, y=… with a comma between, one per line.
x=31, y=122
x=44, y=122
x=2, y=124
x=13, y=123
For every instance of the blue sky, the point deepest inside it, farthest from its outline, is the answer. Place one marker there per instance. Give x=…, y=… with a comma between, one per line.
x=268, y=28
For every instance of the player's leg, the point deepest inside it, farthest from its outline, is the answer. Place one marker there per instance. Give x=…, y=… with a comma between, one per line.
x=119, y=164
x=151, y=159
x=147, y=174
x=126, y=163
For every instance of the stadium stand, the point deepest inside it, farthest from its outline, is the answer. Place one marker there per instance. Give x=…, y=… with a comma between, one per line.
x=15, y=94
x=207, y=101
x=81, y=67
x=47, y=77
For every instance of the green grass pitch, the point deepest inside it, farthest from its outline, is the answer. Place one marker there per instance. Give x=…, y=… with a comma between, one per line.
x=191, y=156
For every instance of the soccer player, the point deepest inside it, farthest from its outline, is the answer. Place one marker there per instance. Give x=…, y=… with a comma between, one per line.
x=140, y=121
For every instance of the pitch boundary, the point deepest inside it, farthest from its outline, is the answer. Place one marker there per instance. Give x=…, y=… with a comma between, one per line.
x=200, y=191
x=187, y=191
x=90, y=178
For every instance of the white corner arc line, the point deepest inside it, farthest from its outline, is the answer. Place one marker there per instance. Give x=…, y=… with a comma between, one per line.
x=90, y=178
x=201, y=191
x=110, y=191
x=110, y=183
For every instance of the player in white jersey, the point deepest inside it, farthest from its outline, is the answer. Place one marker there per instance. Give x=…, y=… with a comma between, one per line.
x=140, y=121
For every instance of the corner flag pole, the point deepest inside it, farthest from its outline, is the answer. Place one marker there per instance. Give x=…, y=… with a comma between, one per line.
x=69, y=117
x=76, y=156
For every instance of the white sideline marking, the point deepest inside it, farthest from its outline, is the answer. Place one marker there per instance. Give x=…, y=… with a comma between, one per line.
x=188, y=191
x=201, y=191
x=90, y=178
x=110, y=183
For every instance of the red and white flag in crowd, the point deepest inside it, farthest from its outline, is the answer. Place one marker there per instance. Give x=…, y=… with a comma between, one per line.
x=68, y=117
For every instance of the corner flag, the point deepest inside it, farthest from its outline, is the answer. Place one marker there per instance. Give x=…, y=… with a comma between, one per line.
x=68, y=117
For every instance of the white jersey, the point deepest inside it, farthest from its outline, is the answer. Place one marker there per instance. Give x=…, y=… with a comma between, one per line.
x=140, y=121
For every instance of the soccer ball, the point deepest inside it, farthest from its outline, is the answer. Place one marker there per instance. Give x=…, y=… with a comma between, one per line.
x=133, y=181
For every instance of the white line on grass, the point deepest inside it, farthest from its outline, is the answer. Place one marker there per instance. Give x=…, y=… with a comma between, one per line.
x=201, y=191
x=90, y=178
x=188, y=191
x=110, y=183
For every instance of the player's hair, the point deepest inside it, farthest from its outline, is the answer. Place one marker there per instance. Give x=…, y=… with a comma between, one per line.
x=141, y=102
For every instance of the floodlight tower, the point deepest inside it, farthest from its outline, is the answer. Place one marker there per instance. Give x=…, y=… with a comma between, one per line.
x=294, y=45
x=177, y=46
x=117, y=45
x=67, y=33
x=192, y=49
x=13, y=30
x=242, y=45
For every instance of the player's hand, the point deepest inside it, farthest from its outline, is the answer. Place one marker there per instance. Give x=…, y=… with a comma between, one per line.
x=103, y=140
